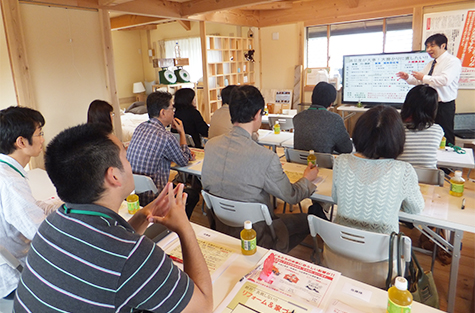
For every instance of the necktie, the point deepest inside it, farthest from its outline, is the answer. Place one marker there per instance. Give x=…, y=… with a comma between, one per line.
x=432, y=68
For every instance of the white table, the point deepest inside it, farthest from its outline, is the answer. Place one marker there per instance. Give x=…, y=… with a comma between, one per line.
x=265, y=118
x=445, y=158
x=43, y=188
x=268, y=138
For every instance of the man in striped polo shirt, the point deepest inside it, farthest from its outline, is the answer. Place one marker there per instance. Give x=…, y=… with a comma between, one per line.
x=86, y=258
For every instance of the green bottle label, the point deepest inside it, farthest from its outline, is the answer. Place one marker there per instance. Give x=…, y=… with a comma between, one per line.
x=458, y=188
x=248, y=245
x=394, y=308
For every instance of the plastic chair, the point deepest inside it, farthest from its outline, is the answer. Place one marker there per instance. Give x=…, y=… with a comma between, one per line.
x=430, y=176
x=324, y=160
x=286, y=123
x=189, y=139
x=144, y=183
x=356, y=253
x=436, y=177
x=234, y=213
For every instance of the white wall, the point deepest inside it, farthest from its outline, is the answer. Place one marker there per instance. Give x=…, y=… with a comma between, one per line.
x=65, y=53
x=7, y=89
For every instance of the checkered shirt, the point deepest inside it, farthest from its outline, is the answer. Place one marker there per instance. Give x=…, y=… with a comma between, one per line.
x=151, y=151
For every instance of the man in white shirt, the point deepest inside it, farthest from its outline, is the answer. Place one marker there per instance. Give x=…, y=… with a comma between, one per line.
x=443, y=75
x=21, y=138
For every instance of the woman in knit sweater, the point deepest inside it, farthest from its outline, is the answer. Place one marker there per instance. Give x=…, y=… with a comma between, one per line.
x=370, y=186
x=422, y=135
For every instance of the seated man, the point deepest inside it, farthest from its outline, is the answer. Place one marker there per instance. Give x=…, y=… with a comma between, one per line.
x=153, y=148
x=237, y=168
x=87, y=258
x=21, y=138
x=220, y=123
x=318, y=129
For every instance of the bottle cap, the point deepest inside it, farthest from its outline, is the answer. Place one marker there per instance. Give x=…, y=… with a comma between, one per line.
x=400, y=283
x=276, y=122
x=311, y=152
x=247, y=225
x=458, y=173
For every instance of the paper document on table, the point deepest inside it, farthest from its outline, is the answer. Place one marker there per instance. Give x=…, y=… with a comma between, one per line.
x=340, y=307
x=433, y=207
x=292, y=282
x=217, y=257
x=248, y=297
x=199, y=155
x=295, y=176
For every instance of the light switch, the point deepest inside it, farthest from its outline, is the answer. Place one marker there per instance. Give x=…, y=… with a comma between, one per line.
x=275, y=36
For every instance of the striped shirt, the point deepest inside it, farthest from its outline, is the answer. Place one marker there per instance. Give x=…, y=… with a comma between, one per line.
x=420, y=148
x=151, y=151
x=84, y=263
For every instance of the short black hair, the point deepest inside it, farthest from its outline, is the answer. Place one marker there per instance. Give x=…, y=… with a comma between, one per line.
x=379, y=133
x=323, y=94
x=226, y=93
x=100, y=112
x=184, y=98
x=420, y=107
x=438, y=39
x=158, y=101
x=18, y=122
x=245, y=102
x=77, y=160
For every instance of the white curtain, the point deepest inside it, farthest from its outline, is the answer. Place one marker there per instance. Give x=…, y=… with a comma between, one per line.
x=190, y=48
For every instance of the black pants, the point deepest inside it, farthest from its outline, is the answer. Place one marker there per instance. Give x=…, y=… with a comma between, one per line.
x=445, y=118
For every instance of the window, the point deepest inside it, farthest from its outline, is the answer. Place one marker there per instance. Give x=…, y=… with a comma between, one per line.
x=357, y=38
x=189, y=48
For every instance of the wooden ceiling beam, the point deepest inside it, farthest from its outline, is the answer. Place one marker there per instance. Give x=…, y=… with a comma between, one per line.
x=142, y=27
x=320, y=12
x=158, y=8
x=206, y=6
x=353, y=3
x=233, y=17
x=128, y=21
x=271, y=6
x=186, y=24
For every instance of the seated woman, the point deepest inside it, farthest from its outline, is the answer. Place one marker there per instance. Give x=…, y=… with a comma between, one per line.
x=185, y=110
x=422, y=135
x=369, y=185
x=100, y=112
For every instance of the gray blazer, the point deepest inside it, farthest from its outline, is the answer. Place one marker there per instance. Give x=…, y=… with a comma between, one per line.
x=237, y=168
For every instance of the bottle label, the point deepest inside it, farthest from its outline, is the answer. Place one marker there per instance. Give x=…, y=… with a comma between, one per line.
x=133, y=207
x=314, y=162
x=457, y=188
x=276, y=130
x=248, y=245
x=394, y=308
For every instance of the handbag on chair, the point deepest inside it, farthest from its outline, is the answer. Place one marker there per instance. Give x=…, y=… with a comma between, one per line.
x=420, y=284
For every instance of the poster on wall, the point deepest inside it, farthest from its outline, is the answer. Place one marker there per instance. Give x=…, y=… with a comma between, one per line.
x=459, y=27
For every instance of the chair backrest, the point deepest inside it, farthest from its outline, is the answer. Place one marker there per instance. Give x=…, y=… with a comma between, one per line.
x=365, y=246
x=235, y=213
x=430, y=176
x=144, y=183
x=286, y=123
x=189, y=139
x=9, y=259
x=324, y=160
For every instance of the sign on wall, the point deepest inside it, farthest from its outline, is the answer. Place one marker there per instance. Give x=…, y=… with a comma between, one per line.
x=459, y=27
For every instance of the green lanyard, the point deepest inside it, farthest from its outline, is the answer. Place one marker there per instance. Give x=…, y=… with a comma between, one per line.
x=18, y=171
x=84, y=212
x=310, y=108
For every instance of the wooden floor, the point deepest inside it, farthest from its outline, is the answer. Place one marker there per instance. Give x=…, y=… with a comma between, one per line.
x=466, y=277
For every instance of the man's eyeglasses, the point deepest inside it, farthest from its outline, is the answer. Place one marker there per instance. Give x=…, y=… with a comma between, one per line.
x=40, y=134
x=172, y=108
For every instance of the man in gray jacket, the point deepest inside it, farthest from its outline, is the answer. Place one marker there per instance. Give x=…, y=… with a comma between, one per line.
x=237, y=168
